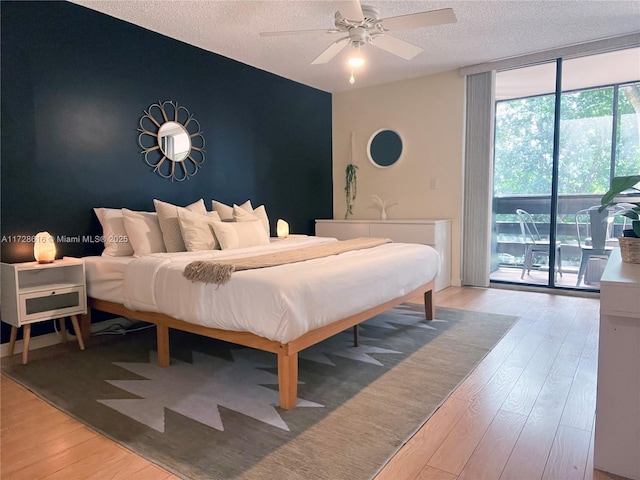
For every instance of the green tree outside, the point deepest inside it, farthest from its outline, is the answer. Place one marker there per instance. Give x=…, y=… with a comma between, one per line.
x=524, y=141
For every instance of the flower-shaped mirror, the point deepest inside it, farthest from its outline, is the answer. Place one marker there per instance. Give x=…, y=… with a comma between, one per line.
x=384, y=148
x=172, y=141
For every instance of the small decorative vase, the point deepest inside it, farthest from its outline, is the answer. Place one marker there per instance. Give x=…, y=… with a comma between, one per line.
x=383, y=214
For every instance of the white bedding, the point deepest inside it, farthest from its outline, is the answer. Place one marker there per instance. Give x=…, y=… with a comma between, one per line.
x=279, y=303
x=105, y=277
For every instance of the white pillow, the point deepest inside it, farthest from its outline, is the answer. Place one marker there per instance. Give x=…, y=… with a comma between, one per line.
x=242, y=215
x=143, y=230
x=116, y=242
x=226, y=212
x=261, y=213
x=240, y=234
x=168, y=219
x=197, y=230
x=246, y=213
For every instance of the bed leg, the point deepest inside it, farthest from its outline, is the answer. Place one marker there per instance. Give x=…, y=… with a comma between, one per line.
x=356, y=336
x=429, y=305
x=162, y=334
x=85, y=325
x=288, y=380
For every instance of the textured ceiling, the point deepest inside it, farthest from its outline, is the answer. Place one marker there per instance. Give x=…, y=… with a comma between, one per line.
x=485, y=31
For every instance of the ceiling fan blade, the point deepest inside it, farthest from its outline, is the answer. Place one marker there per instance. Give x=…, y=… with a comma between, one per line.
x=350, y=9
x=419, y=20
x=335, y=48
x=396, y=46
x=299, y=32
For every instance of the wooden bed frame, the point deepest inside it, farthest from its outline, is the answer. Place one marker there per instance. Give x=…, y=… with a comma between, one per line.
x=287, y=352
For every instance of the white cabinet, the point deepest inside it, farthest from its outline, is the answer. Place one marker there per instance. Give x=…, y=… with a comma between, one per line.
x=34, y=292
x=617, y=434
x=435, y=233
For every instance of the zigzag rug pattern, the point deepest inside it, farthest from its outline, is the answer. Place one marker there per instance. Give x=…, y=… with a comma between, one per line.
x=214, y=412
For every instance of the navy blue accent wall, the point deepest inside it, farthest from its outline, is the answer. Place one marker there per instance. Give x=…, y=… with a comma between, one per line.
x=74, y=86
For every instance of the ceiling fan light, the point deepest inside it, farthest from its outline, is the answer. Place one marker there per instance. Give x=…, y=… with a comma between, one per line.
x=356, y=60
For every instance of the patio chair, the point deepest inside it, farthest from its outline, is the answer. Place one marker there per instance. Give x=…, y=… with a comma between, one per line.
x=594, y=229
x=535, y=244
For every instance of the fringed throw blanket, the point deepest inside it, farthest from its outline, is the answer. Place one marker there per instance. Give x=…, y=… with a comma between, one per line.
x=219, y=271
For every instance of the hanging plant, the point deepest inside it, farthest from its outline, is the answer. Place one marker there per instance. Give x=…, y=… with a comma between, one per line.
x=351, y=188
x=351, y=184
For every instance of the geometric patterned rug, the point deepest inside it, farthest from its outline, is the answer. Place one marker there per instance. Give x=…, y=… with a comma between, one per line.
x=214, y=412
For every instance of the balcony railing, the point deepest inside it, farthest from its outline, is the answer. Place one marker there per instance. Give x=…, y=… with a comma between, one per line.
x=508, y=244
x=539, y=204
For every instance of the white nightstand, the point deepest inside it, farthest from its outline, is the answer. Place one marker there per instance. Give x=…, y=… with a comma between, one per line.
x=33, y=292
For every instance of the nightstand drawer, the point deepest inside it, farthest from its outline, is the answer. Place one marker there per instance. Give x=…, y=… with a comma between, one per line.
x=52, y=303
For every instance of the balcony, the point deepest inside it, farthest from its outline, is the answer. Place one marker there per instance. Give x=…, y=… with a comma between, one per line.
x=508, y=246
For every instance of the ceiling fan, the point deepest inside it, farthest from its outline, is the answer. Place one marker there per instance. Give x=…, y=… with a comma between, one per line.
x=362, y=25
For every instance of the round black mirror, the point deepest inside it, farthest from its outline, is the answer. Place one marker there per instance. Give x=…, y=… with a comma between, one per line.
x=384, y=148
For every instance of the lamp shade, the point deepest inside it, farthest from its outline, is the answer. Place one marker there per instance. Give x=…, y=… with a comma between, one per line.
x=282, y=228
x=44, y=248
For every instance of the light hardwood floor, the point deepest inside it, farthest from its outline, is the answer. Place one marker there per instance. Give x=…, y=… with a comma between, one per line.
x=526, y=412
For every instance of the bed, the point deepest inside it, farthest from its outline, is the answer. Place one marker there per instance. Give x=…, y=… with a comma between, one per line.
x=282, y=309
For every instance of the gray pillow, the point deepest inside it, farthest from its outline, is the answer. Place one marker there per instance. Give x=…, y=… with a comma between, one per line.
x=170, y=226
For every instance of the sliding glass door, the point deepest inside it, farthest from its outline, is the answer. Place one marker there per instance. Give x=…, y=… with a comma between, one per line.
x=598, y=139
x=523, y=173
x=561, y=134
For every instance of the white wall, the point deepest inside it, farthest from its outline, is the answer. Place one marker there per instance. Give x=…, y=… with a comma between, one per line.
x=428, y=112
